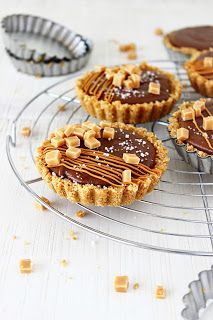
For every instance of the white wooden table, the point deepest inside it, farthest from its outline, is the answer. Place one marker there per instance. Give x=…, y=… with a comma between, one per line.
x=85, y=288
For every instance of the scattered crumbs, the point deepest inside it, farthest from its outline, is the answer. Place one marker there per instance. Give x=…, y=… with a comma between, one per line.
x=135, y=285
x=25, y=266
x=127, y=47
x=159, y=32
x=160, y=292
x=121, y=283
x=40, y=206
x=38, y=76
x=62, y=108
x=73, y=235
x=64, y=263
x=25, y=131
x=132, y=55
x=80, y=213
x=14, y=237
x=26, y=243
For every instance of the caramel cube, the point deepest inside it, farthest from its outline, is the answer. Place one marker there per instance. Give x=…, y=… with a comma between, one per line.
x=132, y=55
x=199, y=103
x=197, y=110
x=118, y=79
x=97, y=130
x=69, y=130
x=25, y=266
x=108, y=133
x=73, y=153
x=79, y=132
x=127, y=47
x=57, y=142
x=89, y=134
x=87, y=125
x=121, y=283
x=131, y=158
x=126, y=176
x=182, y=134
x=73, y=141
x=154, y=88
x=53, y=158
x=105, y=123
x=59, y=133
x=132, y=69
x=92, y=143
x=160, y=292
x=186, y=114
x=133, y=81
x=208, y=62
x=208, y=123
x=51, y=135
x=25, y=131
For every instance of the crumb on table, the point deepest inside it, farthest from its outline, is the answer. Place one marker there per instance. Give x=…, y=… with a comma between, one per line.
x=73, y=235
x=40, y=206
x=62, y=108
x=136, y=285
x=159, y=32
x=121, y=283
x=64, y=263
x=25, y=266
x=25, y=131
x=80, y=213
x=160, y=292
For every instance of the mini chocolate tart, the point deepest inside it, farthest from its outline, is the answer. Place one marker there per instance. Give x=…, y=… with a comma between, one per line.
x=190, y=40
x=200, y=72
x=128, y=93
x=191, y=129
x=106, y=165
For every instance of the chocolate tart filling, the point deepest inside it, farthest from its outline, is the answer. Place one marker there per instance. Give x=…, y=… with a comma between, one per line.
x=124, y=142
x=97, y=84
x=200, y=38
x=195, y=137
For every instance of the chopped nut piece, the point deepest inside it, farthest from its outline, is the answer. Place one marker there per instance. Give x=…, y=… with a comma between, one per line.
x=131, y=158
x=73, y=153
x=154, y=88
x=53, y=158
x=64, y=263
x=160, y=292
x=208, y=62
x=92, y=143
x=89, y=134
x=59, y=133
x=80, y=213
x=25, y=266
x=127, y=47
x=40, y=206
x=159, y=32
x=126, y=176
x=79, y=132
x=182, y=134
x=186, y=114
x=104, y=124
x=121, y=283
x=136, y=285
x=62, y=108
x=73, y=141
x=108, y=133
x=57, y=142
x=132, y=55
x=200, y=103
x=118, y=79
x=208, y=123
x=25, y=131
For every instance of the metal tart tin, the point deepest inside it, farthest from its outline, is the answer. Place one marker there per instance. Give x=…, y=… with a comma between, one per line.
x=201, y=291
x=202, y=164
x=33, y=43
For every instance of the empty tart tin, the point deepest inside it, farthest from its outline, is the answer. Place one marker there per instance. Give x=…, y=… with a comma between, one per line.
x=40, y=46
x=197, y=300
x=197, y=159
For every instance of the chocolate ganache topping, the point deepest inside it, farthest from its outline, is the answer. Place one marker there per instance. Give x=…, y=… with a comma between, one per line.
x=200, y=38
x=195, y=137
x=97, y=84
x=123, y=142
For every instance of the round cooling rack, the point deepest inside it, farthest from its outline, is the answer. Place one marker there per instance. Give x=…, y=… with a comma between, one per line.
x=175, y=217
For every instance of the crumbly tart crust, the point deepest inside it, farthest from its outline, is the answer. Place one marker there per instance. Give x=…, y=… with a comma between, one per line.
x=183, y=50
x=201, y=78
x=116, y=111
x=89, y=194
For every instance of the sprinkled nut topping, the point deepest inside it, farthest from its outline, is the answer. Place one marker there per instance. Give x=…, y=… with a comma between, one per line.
x=25, y=131
x=57, y=142
x=131, y=158
x=25, y=266
x=208, y=123
x=187, y=114
x=92, y=143
x=182, y=134
x=121, y=283
x=126, y=176
x=53, y=158
x=160, y=292
x=73, y=141
x=154, y=88
x=73, y=153
x=208, y=62
x=87, y=125
x=108, y=133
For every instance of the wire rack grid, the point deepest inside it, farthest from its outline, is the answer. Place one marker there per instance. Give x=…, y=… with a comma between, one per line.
x=175, y=217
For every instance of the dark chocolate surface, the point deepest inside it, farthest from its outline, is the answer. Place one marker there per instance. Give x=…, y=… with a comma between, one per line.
x=123, y=142
x=199, y=38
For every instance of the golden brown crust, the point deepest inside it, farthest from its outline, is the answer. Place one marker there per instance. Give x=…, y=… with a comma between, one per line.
x=199, y=83
x=107, y=196
x=184, y=50
x=126, y=113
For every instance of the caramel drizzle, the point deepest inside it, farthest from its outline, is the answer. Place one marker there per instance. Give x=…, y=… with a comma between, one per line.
x=203, y=71
x=204, y=134
x=110, y=170
x=96, y=84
